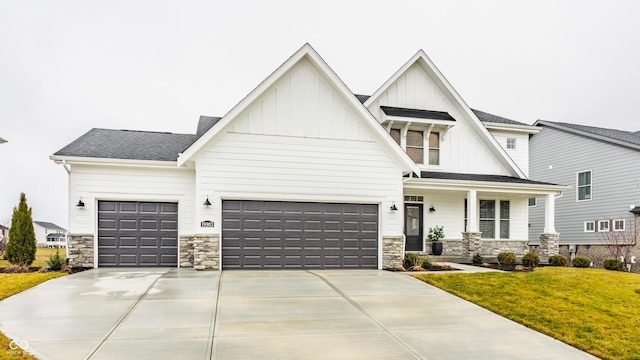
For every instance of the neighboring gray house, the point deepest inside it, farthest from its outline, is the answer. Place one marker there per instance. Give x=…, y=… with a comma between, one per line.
x=602, y=168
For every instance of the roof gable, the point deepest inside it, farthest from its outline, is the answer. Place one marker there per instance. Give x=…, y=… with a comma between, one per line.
x=441, y=88
x=49, y=226
x=613, y=136
x=305, y=59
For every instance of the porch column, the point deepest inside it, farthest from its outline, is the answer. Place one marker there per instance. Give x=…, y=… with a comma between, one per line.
x=471, y=238
x=549, y=240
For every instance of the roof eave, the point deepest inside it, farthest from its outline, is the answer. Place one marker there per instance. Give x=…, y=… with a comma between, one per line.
x=588, y=134
x=78, y=160
x=493, y=185
x=512, y=127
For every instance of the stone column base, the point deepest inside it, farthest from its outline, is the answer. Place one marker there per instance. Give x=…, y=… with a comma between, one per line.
x=204, y=253
x=392, y=252
x=549, y=244
x=80, y=250
x=471, y=242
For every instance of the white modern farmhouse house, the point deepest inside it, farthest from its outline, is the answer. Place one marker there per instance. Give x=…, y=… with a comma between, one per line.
x=302, y=173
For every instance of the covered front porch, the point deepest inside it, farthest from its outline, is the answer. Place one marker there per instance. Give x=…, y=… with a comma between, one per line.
x=484, y=214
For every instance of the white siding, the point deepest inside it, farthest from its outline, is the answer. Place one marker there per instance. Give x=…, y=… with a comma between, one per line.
x=520, y=154
x=94, y=183
x=463, y=150
x=301, y=141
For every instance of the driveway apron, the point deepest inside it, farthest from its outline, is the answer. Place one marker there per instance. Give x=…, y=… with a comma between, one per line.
x=326, y=314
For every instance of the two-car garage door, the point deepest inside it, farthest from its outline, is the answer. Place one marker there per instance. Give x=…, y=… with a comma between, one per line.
x=296, y=235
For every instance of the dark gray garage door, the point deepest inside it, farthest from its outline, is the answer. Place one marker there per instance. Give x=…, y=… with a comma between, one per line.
x=137, y=233
x=279, y=235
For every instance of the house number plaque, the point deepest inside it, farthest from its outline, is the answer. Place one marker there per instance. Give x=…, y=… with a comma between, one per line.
x=206, y=224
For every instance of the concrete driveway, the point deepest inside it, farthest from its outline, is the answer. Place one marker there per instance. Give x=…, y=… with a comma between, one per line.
x=186, y=314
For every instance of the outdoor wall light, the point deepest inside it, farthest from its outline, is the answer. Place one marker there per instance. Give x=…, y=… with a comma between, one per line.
x=207, y=203
x=80, y=203
x=432, y=208
x=394, y=207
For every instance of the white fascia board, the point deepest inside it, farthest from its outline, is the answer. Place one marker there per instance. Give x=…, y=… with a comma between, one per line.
x=307, y=50
x=402, y=119
x=74, y=160
x=464, y=185
x=512, y=127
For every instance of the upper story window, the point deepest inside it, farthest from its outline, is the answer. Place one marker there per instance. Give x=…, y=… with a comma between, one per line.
x=584, y=185
x=511, y=143
x=434, y=148
x=395, y=134
x=415, y=146
x=533, y=202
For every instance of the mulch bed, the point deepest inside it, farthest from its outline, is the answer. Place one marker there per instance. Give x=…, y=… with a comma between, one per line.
x=433, y=267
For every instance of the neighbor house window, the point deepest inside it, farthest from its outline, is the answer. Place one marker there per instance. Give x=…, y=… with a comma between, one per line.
x=488, y=219
x=618, y=225
x=603, y=225
x=584, y=186
x=533, y=202
x=395, y=134
x=589, y=226
x=434, y=148
x=415, y=146
x=511, y=143
x=504, y=219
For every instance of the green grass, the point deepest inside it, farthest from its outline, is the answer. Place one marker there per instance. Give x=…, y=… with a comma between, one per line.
x=595, y=310
x=11, y=284
x=42, y=255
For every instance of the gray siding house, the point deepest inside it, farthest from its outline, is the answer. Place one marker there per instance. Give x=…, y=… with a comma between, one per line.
x=602, y=168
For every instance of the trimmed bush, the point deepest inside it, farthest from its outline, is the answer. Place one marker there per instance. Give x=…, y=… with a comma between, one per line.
x=612, y=264
x=530, y=259
x=477, y=259
x=557, y=260
x=507, y=258
x=410, y=260
x=581, y=262
x=426, y=262
x=56, y=262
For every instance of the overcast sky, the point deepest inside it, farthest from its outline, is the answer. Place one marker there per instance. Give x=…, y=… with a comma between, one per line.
x=69, y=66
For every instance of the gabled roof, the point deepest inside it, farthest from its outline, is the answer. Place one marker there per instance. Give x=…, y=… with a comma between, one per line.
x=486, y=117
x=417, y=113
x=422, y=60
x=618, y=137
x=128, y=144
x=49, y=226
x=305, y=53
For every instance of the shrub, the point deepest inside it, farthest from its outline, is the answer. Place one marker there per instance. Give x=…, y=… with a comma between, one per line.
x=410, y=259
x=557, y=260
x=612, y=264
x=506, y=258
x=530, y=259
x=21, y=248
x=56, y=262
x=477, y=259
x=426, y=262
x=581, y=262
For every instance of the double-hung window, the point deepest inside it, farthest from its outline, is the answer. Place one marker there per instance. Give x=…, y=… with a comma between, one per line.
x=589, y=226
x=504, y=219
x=488, y=219
x=415, y=146
x=434, y=148
x=618, y=225
x=584, y=186
x=603, y=225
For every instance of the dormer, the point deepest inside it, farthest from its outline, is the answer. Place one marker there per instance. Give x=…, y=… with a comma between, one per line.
x=419, y=132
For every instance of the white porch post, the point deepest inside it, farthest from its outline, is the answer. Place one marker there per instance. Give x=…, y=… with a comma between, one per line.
x=472, y=211
x=550, y=214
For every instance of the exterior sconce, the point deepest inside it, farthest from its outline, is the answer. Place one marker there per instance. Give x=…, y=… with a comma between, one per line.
x=80, y=203
x=393, y=207
x=207, y=203
x=432, y=208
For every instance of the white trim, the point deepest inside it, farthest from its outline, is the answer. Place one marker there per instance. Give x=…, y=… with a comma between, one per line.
x=75, y=160
x=623, y=224
x=512, y=127
x=592, y=223
x=600, y=227
x=578, y=185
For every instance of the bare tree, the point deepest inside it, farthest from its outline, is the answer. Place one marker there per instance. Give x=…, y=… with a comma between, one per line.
x=618, y=241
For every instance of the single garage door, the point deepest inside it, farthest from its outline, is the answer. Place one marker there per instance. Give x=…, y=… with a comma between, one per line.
x=137, y=233
x=283, y=235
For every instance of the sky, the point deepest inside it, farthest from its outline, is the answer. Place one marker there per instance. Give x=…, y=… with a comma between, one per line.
x=69, y=66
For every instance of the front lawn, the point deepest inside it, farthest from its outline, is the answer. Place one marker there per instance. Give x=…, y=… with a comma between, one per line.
x=42, y=255
x=595, y=310
x=11, y=284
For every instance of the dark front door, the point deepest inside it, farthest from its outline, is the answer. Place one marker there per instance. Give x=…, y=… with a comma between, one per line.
x=413, y=226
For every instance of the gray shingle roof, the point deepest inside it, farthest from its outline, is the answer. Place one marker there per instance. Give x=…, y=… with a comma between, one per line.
x=620, y=137
x=417, y=113
x=479, y=177
x=486, y=117
x=362, y=98
x=128, y=144
x=205, y=123
x=49, y=226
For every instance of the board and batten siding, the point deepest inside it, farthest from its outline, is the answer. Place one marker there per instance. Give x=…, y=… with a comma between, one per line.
x=557, y=157
x=302, y=141
x=94, y=183
x=462, y=150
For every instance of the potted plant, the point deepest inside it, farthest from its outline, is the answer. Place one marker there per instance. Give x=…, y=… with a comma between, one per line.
x=436, y=234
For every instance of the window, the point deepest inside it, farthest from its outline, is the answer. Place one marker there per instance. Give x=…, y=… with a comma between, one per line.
x=533, y=202
x=584, y=186
x=395, y=134
x=434, y=148
x=603, y=225
x=413, y=198
x=589, y=226
x=415, y=146
x=511, y=143
x=504, y=219
x=466, y=208
x=488, y=219
x=618, y=225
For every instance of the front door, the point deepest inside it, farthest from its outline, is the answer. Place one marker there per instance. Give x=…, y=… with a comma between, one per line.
x=413, y=227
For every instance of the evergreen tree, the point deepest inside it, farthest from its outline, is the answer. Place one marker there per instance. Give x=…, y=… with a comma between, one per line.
x=21, y=248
